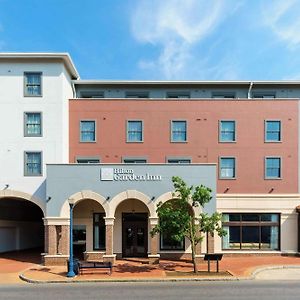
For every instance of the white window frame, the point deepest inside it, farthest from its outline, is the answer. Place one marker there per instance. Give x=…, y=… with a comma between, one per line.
x=26, y=134
x=280, y=168
x=127, y=130
x=88, y=120
x=220, y=168
x=280, y=132
x=26, y=84
x=171, y=131
x=26, y=173
x=220, y=131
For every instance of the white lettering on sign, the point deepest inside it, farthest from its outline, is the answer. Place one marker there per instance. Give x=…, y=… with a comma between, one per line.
x=120, y=174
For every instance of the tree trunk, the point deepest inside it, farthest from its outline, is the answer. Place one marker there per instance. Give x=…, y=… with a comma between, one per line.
x=193, y=256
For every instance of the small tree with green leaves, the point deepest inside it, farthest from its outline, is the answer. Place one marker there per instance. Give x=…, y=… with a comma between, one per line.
x=178, y=221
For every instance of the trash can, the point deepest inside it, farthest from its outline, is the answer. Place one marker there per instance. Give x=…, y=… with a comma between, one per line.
x=75, y=265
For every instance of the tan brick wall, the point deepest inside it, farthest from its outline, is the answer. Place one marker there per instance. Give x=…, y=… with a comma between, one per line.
x=153, y=242
x=210, y=244
x=93, y=256
x=51, y=239
x=109, y=239
x=55, y=260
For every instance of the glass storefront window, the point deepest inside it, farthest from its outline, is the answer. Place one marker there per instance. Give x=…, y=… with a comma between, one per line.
x=251, y=231
x=99, y=231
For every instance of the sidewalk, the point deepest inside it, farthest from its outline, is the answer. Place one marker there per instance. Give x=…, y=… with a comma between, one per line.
x=231, y=268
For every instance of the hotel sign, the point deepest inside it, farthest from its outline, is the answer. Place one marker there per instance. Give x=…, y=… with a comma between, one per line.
x=122, y=174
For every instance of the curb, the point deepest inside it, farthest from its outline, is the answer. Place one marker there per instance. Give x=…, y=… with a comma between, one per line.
x=278, y=267
x=178, y=279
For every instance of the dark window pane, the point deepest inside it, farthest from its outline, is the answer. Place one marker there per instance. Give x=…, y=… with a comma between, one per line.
x=250, y=217
x=250, y=237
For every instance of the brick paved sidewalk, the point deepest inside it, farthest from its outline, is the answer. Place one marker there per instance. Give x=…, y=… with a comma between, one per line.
x=230, y=268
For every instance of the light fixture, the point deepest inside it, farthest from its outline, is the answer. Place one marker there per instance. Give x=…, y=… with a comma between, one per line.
x=71, y=201
x=6, y=186
x=48, y=199
x=226, y=190
x=107, y=198
x=153, y=197
x=271, y=190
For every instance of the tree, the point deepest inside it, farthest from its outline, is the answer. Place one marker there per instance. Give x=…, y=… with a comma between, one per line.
x=178, y=221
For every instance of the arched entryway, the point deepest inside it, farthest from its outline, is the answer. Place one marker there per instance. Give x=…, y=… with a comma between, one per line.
x=21, y=227
x=131, y=230
x=88, y=229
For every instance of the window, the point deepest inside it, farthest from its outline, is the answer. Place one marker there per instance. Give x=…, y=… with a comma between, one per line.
x=272, y=131
x=91, y=94
x=33, y=84
x=137, y=94
x=33, y=164
x=134, y=131
x=251, y=231
x=272, y=167
x=134, y=160
x=227, y=131
x=178, y=160
x=32, y=124
x=227, y=167
x=87, y=131
x=264, y=95
x=98, y=231
x=167, y=243
x=223, y=95
x=88, y=160
x=79, y=235
x=178, y=131
x=178, y=95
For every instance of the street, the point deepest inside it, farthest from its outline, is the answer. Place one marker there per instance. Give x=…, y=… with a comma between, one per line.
x=238, y=290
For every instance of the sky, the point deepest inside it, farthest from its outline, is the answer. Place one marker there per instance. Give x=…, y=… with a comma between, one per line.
x=160, y=39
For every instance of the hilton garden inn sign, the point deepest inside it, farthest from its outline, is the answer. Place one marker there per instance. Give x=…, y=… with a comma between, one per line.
x=121, y=174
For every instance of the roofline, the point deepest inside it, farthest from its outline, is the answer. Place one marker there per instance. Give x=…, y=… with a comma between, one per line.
x=187, y=82
x=44, y=55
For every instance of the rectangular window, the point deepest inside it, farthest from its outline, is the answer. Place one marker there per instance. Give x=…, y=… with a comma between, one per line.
x=91, y=94
x=134, y=131
x=33, y=84
x=223, y=95
x=178, y=131
x=179, y=160
x=167, y=243
x=227, y=131
x=264, y=95
x=79, y=235
x=178, y=95
x=87, y=131
x=134, y=160
x=88, y=160
x=251, y=231
x=227, y=167
x=98, y=231
x=272, y=131
x=33, y=164
x=32, y=124
x=137, y=94
x=272, y=167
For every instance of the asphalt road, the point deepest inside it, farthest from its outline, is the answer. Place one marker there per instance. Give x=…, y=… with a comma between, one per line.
x=258, y=290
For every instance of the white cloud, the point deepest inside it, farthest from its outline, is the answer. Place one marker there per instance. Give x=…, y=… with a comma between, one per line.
x=176, y=27
x=283, y=18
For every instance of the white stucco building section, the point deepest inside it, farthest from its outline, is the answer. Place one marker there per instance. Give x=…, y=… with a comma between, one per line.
x=53, y=105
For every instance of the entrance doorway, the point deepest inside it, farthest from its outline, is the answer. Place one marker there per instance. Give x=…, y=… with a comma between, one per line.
x=134, y=234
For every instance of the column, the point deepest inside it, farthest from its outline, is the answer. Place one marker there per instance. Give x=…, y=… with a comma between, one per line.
x=109, y=240
x=153, y=256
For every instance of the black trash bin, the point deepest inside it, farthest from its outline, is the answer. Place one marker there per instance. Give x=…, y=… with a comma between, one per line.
x=75, y=265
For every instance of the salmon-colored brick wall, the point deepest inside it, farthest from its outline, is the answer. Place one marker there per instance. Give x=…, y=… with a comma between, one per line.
x=202, y=144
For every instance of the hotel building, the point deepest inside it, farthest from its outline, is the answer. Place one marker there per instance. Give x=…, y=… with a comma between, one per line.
x=112, y=147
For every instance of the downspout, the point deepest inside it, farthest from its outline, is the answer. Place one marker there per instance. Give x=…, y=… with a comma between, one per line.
x=73, y=89
x=249, y=90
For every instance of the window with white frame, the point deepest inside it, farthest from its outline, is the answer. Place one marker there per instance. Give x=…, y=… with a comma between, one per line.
x=87, y=131
x=33, y=163
x=272, y=167
x=227, y=131
x=272, y=131
x=33, y=84
x=227, y=167
x=178, y=131
x=134, y=131
x=32, y=124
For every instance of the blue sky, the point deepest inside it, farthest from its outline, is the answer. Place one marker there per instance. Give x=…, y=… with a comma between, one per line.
x=160, y=39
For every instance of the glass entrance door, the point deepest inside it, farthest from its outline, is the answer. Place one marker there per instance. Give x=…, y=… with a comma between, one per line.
x=135, y=234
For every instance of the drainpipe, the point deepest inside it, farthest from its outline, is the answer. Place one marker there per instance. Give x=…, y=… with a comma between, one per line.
x=249, y=90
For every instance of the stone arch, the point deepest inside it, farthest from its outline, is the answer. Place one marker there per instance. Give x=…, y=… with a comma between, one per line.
x=169, y=196
x=21, y=195
x=83, y=195
x=132, y=194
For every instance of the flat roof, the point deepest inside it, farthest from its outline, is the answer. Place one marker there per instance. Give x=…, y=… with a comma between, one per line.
x=186, y=82
x=64, y=56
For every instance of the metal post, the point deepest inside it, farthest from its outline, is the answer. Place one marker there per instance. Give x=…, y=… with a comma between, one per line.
x=71, y=264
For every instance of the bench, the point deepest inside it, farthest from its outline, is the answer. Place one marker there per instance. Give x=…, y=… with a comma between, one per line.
x=213, y=257
x=87, y=265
